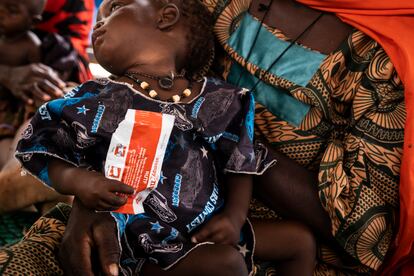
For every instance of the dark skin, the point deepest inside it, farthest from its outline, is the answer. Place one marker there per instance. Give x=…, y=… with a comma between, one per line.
x=292, y=18
x=222, y=228
x=20, y=50
x=21, y=45
x=92, y=189
x=33, y=84
x=20, y=70
x=28, y=188
x=30, y=82
x=156, y=61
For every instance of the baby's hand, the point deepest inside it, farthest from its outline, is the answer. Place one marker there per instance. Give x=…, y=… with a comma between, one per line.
x=103, y=194
x=221, y=229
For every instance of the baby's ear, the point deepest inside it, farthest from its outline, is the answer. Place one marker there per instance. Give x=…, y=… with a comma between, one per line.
x=169, y=16
x=36, y=19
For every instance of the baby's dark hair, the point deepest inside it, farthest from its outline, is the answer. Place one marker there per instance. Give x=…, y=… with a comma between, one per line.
x=201, y=37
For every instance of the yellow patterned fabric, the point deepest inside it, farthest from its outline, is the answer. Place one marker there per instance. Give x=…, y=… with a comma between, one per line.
x=35, y=254
x=353, y=134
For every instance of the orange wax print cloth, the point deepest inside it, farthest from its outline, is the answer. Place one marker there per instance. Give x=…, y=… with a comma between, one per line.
x=391, y=24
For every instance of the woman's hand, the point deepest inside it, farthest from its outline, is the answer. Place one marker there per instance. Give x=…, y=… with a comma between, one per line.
x=222, y=228
x=34, y=83
x=89, y=236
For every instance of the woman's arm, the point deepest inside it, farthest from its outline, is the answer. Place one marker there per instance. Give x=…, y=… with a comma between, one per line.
x=89, y=236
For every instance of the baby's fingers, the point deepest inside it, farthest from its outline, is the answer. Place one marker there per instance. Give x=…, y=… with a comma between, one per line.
x=224, y=237
x=218, y=236
x=114, y=200
x=118, y=187
x=201, y=236
x=205, y=233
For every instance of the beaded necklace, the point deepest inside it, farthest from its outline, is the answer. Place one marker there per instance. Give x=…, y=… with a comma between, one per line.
x=164, y=82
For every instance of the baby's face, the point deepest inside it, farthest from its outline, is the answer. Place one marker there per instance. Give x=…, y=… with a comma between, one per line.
x=15, y=17
x=125, y=33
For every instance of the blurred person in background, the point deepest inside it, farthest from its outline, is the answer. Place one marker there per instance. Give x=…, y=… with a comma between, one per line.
x=63, y=36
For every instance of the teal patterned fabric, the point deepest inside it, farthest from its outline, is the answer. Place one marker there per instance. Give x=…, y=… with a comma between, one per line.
x=13, y=226
x=275, y=99
x=297, y=65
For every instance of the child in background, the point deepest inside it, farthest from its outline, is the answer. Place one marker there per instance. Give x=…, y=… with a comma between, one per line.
x=194, y=220
x=19, y=45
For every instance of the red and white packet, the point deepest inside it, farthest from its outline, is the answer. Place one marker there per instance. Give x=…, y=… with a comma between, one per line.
x=136, y=154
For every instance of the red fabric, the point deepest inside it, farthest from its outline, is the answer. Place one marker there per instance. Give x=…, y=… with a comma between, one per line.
x=71, y=19
x=391, y=24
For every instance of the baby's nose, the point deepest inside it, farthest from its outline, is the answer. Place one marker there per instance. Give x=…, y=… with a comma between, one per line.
x=98, y=25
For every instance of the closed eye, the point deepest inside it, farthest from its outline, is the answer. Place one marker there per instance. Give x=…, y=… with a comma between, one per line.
x=114, y=6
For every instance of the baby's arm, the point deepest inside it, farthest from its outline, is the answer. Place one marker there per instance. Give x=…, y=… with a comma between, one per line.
x=224, y=228
x=92, y=188
x=239, y=191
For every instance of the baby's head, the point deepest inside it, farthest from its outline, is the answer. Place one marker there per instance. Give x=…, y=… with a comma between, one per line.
x=134, y=32
x=17, y=17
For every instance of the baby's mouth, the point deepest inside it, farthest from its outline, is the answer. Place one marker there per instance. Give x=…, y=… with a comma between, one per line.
x=97, y=34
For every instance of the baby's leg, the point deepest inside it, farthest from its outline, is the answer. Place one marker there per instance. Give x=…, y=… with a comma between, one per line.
x=206, y=260
x=290, y=245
